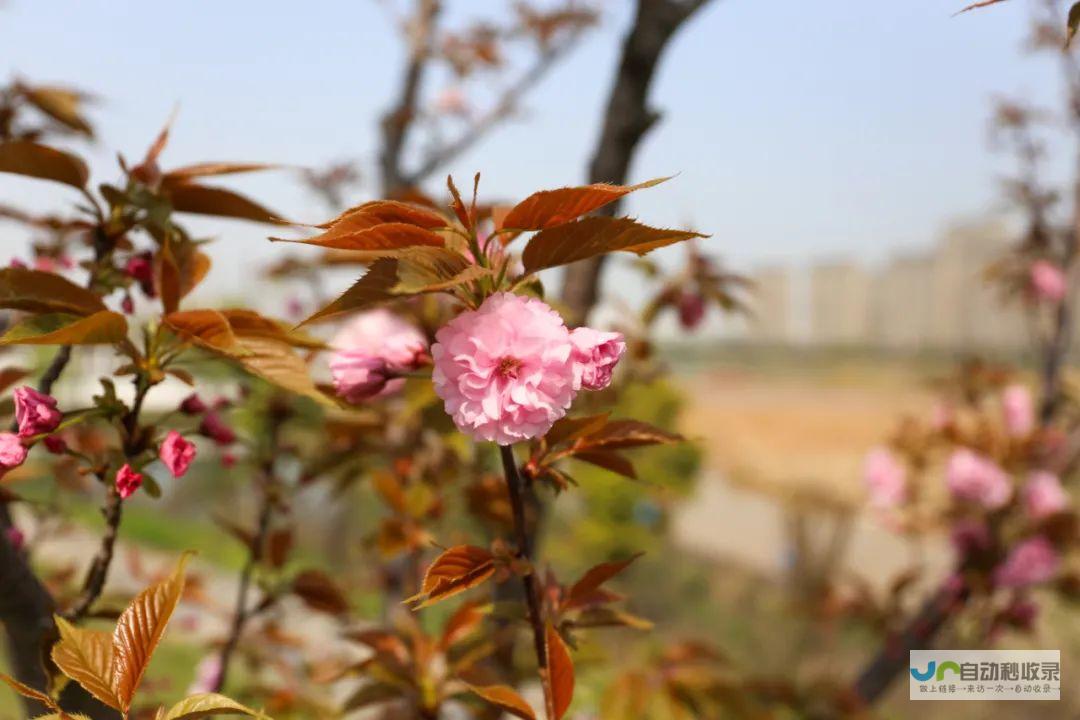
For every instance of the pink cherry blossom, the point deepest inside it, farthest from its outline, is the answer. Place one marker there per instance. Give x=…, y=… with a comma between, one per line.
x=1043, y=495
x=974, y=478
x=1032, y=561
x=12, y=451
x=193, y=405
x=15, y=538
x=885, y=478
x=177, y=453
x=371, y=349
x=358, y=377
x=595, y=356
x=128, y=481
x=505, y=370
x=1019, y=410
x=207, y=675
x=35, y=412
x=1047, y=281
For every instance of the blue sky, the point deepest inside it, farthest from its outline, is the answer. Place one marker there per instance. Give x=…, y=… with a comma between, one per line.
x=799, y=130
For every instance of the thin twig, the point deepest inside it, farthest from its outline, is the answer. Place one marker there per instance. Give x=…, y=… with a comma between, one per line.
x=524, y=547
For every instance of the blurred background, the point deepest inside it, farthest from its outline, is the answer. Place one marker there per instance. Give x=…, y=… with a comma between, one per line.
x=846, y=158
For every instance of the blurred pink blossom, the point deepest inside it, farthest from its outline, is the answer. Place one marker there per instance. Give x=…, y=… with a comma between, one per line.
x=177, y=453
x=1043, y=495
x=207, y=675
x=691, y=310
x=1019, y=410
x=373, y=347
x=193, y=405
x=12, y=451
x=505, y=370
x=969, y=536
x=595, y=355
x=35, y=412
x=451, y=101
x=55, y=444
x=1032, y=561
x=1047, y=281
x=215, y=428
x=885, y=478
x=15, y=538
x=974, y=478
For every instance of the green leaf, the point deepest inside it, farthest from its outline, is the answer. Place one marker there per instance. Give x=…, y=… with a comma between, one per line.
x=205, y=705
x=594, y=236
x=23, y=157
x=101, y=328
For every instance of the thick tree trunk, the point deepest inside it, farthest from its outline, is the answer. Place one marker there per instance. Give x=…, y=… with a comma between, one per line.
x=627, y=119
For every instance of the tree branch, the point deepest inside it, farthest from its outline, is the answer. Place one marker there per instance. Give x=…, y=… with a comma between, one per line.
x=524, y=547
x=626, y=121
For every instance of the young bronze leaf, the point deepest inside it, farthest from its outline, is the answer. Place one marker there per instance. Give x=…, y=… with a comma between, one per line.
x=591, y=581
x=608, y=460
x=60, y=103
x=593, y=236
x=276, y=362
x=571, y=428
x=560, y=672
x=620, y=434
x=549, y=208
x=378, y=212
x=385, y=236
x=86, y=657
x=101, y=328
x=980, y=4
x=374, y=287
x=505, y=698
x=211, y=169
x=207, y=328
x=178, y=268
x=249, y=324
x=139, y=630
x=207, y=705
x=458, y=569
x=319, y=592
x=209, y=200
x=44, y=292
x=462, y=623
x=27, y=691
x=23, y=157
x=457, y=205
x=1072, y=24
x=372, y=693
x=429, y=269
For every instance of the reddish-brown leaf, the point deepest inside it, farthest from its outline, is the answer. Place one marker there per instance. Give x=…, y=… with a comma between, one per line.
x=592, y=236
x=608, y=460
x=560, y=673
x=139, y=630
x=319, y=592
x=23, y=157
x=549, y=208
x=101, y=328
x=505, y=698
x=178, y=269
x=620, y=434
x=455, y=571
x=377, y=212
x=380, y=237
x=208, y=200
x=45, y=292
x=571, y=428
x=207, y=328
x=60, y=103
x=461, y=624
x=593, y=579
x=457, y=205
x=86, y=656
x=211, y=169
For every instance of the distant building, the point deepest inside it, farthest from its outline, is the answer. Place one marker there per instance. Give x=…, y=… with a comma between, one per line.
x=771, y=320
x=839, y=304
x=901, y=307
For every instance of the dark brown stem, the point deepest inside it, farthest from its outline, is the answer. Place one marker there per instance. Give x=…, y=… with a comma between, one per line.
x=55, y=369
x=99, y=567
x=241, y=611
x=627, y=119
x=515, y=487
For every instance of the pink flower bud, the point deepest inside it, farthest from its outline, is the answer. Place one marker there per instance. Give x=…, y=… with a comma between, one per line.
x=382, y=334
x=358, y=377
x=35, y=412
x=885, y=478
x=12, y=451
x=193, y=405
x=215, y=428
x=228, y=460
x=969, y=537
x=177, y=453
x=1031, y=562
x=44, y=263
x=974, y=478
x=128, y=481
x=1044, y=496
x=17, y=264
x=691, y=310
x=55, y=444
x=1019, y=410
x=1047, y=281
x=595, y=355
x=127, y=305
x=140, y=268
